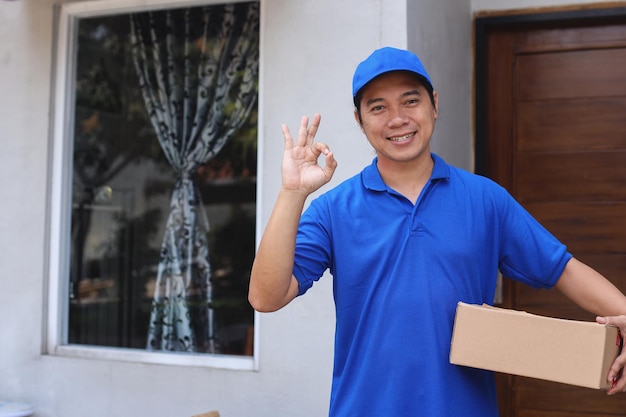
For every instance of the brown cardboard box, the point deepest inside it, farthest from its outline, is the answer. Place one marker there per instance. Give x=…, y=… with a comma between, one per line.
x=519, y=343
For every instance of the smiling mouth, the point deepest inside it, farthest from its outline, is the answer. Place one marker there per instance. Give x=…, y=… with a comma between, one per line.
x=401, y=138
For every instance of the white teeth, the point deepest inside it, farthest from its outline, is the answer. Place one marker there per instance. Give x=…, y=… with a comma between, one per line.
x=401, y=138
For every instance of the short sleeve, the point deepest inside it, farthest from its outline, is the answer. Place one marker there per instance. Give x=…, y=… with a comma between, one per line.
x=313, y=245
x=529, y=253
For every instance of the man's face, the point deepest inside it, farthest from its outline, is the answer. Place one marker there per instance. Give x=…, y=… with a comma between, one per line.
x=398, y=117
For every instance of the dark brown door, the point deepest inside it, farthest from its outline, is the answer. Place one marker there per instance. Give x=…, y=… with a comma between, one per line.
x=551, y=128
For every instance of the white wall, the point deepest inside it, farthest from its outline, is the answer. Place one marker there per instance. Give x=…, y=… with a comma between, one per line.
x=25, y=50
x=440, y=33
x=309, y=50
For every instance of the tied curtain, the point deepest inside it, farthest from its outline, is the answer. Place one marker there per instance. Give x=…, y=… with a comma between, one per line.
x=198, y=71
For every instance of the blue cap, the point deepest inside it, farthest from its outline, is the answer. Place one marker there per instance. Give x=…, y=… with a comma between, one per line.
x=385, y=60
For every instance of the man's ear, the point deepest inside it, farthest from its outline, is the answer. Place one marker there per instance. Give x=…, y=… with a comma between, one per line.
x=436, y=99
x=357, y=117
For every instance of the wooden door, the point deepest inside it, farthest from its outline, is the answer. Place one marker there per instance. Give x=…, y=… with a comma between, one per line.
x=551, y=128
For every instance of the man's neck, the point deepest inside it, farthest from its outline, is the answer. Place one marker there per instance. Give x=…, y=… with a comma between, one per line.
x=407, y=178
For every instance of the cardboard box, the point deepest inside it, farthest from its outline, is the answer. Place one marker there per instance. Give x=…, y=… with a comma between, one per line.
x=515, y=342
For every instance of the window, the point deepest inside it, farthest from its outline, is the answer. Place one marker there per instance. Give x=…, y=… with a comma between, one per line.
x=154, y=181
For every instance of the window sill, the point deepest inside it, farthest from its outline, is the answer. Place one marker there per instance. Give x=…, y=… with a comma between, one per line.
x=230, y=362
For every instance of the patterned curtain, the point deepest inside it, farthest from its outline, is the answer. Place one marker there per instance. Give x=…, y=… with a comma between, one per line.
x=198, y=91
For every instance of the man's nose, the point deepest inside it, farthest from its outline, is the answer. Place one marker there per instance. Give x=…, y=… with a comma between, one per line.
x=397, y=116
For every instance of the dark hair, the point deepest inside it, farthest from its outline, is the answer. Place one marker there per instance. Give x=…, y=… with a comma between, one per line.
x=359, y=94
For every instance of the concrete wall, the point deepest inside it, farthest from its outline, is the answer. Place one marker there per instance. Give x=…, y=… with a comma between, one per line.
x=309, y=50
x=446, y=53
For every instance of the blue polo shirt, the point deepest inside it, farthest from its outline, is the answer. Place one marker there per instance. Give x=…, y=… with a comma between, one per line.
x=399, y=270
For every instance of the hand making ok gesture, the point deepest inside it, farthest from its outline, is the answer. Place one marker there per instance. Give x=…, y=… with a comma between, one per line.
x=301, y=171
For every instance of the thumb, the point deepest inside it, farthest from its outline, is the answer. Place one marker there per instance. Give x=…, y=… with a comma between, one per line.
x=330, y=163
x=602, y=320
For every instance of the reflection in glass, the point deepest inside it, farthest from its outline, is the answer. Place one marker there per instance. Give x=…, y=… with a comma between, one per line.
x=165, y=145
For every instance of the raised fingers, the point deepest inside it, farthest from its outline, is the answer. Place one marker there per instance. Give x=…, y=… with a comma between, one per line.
x=307, y=132
x=287, y=136
x=312, y=129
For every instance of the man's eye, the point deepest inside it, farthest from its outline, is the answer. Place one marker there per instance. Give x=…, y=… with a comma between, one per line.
x=377, y=108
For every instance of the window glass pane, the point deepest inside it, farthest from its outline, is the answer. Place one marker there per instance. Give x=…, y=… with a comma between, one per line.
x=164, y=180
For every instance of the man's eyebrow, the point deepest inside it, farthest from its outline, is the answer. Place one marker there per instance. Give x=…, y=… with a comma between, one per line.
x=372, y=101
x=405, y=94
x=412, y=93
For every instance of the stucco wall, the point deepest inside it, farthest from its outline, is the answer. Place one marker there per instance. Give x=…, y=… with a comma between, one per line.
x=309, y=51
x=446, y=53
x=25, y=51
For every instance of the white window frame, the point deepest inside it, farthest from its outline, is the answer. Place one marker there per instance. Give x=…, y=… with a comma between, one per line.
x=59, y=194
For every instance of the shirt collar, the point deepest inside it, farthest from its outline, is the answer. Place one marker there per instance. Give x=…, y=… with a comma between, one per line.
x=373, y=181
